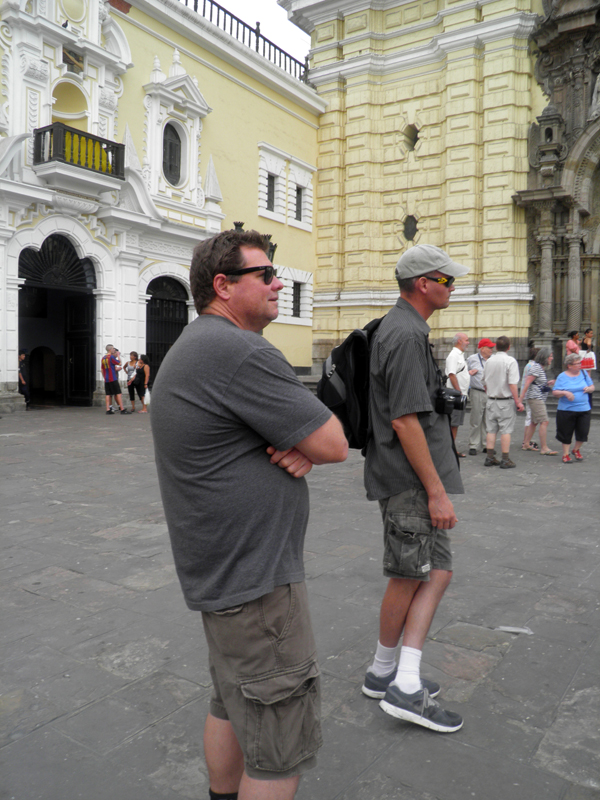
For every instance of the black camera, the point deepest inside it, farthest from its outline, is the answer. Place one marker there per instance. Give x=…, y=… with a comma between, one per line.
x=449, y=400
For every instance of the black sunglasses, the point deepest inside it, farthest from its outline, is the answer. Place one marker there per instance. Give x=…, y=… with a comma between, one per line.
x=269, y=272
x=441, y=279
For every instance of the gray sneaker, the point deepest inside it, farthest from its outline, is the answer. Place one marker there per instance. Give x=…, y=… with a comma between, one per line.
x=506, y=463
x=420, y=709
x=377, y=687
x=491, y=461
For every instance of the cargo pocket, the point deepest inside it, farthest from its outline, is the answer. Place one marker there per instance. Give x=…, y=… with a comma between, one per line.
x=283, y=726
x=408, y=545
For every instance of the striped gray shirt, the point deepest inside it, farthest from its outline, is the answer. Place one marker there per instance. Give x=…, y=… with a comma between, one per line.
x=404, y=380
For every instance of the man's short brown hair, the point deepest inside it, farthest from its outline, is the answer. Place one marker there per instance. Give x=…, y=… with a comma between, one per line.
x=502, y=344
x=220, y=254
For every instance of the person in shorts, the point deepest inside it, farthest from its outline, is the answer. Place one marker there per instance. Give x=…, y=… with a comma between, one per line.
x=528, y=431
x=501, y=379
x=111, y=365
x=411, y=468
x=235, y=432
x=535, y=390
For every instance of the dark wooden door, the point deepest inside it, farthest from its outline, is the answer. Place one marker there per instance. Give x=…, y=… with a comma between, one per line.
x=79, y=330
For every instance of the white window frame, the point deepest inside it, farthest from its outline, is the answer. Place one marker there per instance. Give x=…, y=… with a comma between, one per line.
x=290, y=172
x=300, y=175
x=288, y=276
x=271, y=161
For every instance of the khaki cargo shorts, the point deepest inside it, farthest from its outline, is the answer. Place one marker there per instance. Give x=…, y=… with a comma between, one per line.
x=263, y=664
x=412, y=546
x=500, y=415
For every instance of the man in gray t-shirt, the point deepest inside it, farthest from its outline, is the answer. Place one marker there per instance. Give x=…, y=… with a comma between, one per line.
x=411, y=468
x=235, y=433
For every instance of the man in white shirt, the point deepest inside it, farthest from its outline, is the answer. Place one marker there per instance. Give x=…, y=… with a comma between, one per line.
x=501, y=378
x=458, y=377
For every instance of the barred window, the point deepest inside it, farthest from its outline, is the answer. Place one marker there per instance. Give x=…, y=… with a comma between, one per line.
x=171, y=154
x=296, y=294
x=270, y=192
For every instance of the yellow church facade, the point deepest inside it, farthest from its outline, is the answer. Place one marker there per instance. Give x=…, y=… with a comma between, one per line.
x=425, y=139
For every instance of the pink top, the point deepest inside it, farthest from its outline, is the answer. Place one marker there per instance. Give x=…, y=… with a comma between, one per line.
x=572, y=347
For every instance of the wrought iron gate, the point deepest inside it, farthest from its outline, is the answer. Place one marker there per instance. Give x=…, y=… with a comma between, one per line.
x=166, y=317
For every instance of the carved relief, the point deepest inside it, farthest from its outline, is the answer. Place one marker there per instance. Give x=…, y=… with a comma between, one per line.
x=73, y=206
x=160, y=247
x=107, y=99
x=35, y=69
x=33, y=106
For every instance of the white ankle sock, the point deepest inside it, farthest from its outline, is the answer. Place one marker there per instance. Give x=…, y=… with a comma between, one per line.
x=408, y=677
x=385, y=661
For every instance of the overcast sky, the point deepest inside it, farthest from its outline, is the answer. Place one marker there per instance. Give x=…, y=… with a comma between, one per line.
x=274, y=24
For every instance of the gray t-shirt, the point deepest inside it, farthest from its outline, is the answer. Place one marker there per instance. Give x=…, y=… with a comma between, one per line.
x=404, y=380
x=236, y=521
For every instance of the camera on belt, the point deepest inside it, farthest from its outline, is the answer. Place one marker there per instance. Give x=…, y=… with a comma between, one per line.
x=449, y=400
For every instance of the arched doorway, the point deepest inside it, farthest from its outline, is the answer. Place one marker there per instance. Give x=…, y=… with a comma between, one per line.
x=166, y=317
x=57, y=316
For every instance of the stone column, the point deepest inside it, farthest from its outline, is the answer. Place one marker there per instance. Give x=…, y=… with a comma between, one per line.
x=546, y=299
x=574, y=300
x=192, y=313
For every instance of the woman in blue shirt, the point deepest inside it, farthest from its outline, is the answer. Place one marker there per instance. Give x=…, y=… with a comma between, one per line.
x=573, y=387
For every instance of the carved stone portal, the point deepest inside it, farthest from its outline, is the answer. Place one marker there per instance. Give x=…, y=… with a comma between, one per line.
x=563, y=195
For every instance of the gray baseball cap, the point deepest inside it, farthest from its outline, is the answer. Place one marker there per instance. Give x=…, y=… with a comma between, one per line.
x=423, y=258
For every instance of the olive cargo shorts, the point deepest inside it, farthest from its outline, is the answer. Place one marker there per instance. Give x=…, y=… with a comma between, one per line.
x=412, y=546
x=263, y=664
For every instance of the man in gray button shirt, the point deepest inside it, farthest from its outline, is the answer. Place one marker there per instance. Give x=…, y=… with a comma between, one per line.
x=475, y=365
x=410, y=468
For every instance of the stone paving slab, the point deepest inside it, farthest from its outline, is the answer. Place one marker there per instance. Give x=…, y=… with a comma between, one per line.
x=104, y=682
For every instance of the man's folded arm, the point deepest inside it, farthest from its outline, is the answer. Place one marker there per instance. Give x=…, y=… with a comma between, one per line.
x=326, y=445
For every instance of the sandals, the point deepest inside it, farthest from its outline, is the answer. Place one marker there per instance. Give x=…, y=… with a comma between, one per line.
x=528, y=447
x=550, y=453
x=577, y=454
x=567, y=460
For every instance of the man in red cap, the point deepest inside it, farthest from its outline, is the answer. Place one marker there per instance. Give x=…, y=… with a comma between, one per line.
x=475, y=365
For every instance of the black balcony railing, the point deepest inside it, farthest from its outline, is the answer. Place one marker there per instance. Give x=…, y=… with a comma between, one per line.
x=252, y=37
x=58, y=142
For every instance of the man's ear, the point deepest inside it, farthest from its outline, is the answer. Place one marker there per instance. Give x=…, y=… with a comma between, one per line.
x=422, y=284
x=221, y=285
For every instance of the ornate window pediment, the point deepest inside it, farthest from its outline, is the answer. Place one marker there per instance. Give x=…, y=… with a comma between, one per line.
x=174, y=103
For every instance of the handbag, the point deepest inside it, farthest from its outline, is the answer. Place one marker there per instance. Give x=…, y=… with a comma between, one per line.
x=588, y=361
x=147, y=397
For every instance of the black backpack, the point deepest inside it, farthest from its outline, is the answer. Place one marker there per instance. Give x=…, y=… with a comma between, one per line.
x=344, y=385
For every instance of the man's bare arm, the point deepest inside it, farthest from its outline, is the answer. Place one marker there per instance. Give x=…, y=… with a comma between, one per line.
x=514, y=391
x=413, y=441
x=326, y=445
x=454, y=381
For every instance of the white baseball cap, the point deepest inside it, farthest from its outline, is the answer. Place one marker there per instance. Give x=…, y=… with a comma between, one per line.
x=423, y=258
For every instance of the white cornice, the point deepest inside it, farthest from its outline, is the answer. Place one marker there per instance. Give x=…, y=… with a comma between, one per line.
x=269, y=148
x=307, y=14
x=174, y=15
x=518, y=26
x=469, y=293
